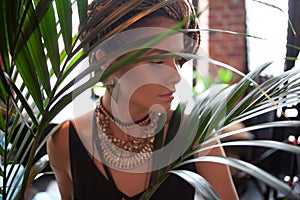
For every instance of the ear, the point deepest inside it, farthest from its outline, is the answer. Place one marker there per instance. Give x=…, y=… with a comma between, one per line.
x=98, y=56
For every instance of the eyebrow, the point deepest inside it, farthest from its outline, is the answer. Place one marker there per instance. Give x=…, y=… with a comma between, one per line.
x=157, y=51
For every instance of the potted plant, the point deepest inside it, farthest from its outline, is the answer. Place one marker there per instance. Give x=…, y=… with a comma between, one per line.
x=34, y=89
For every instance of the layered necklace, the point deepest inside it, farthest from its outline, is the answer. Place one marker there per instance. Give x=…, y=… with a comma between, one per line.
x=125, y=154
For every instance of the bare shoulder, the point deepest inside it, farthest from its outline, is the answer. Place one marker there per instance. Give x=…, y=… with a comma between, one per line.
x=83, y=124
x=59, y=136
x=58, y=145
x=59, y=141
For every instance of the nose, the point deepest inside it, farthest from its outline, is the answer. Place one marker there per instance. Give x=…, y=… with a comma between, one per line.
x=174, y=76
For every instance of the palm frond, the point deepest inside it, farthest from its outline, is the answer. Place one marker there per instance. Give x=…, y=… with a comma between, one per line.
x=202, y=188
x=217, y=110
x=32, y=57
x=258, y=173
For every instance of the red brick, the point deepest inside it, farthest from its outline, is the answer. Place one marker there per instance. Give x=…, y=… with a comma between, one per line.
x=224, y=47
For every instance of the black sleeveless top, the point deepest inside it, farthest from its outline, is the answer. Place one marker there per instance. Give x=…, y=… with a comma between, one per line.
x=89, y=183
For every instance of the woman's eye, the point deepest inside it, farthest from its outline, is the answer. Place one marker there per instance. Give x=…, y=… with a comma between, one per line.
x=156, y=62
x=178, y=61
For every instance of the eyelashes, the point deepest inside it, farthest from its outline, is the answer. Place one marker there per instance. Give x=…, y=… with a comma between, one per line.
x=178, y=61
x=156, y=62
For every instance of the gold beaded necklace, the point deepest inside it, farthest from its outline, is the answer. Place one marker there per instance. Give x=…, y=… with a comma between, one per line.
x=124, y=154
x=120, y=124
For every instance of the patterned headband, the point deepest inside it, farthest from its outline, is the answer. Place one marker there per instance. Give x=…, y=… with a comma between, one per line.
x=178, y=10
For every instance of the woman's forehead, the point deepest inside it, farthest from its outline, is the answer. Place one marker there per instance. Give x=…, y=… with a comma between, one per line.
x=141, y=38
x=169, y=40
x=172, y=43
x=174, y=40
x=155, y=34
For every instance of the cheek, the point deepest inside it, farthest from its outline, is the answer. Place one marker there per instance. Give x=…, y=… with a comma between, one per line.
x=135, y=79
x=145, y=92
x=147, y=97
x=149, y=75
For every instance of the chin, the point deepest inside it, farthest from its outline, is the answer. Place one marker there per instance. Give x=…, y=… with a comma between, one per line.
x=161, y=108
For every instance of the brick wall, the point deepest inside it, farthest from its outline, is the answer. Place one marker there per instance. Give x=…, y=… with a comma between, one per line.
x=226, y=15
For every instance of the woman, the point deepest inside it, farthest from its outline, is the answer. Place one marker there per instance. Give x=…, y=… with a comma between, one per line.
x=109, y=153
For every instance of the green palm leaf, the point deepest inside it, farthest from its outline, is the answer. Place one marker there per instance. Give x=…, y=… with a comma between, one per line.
x=211, y=115
x=250, y=169
x=49, y=34
x=29, y=49
x=64, y=11
x=202, y=187
x=82, y=8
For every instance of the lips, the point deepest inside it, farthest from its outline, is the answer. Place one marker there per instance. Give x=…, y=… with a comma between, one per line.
x=166, y=96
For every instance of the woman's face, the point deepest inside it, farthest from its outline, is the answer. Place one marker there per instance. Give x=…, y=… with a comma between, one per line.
x=151, y=83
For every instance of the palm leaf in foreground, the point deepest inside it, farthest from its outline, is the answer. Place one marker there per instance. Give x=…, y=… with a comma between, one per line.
x=211, y=115
x=22, y=59
x=251, y=169
x=31, y=28
x=203, y=189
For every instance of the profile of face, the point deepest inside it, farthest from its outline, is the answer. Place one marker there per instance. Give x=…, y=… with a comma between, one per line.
x=150, y=84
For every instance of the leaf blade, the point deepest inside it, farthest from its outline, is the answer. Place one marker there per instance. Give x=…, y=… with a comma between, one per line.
x=64, y=12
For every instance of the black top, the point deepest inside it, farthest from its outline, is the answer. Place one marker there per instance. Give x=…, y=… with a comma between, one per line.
x=89, y=183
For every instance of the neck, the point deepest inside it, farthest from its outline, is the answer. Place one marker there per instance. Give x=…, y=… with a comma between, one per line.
x=125, y=112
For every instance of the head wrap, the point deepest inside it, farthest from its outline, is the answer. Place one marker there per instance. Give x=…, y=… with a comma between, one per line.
x=178, y=10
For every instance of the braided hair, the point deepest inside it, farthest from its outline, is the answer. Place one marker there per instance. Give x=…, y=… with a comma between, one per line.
x=178, y=10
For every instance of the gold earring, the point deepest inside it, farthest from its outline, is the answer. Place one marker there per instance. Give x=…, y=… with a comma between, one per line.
x=113, y=88
x=116, y=92
x=110, y=89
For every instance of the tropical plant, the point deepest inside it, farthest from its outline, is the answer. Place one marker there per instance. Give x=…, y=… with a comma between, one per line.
x=34, y=89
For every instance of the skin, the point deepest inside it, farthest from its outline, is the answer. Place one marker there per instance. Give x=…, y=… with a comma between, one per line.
x=140, y=101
